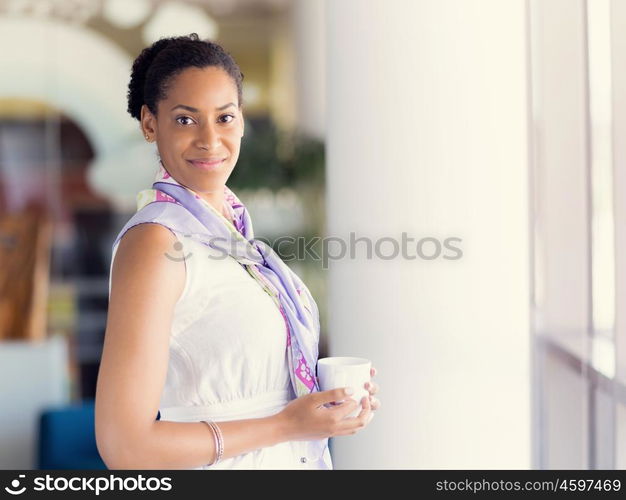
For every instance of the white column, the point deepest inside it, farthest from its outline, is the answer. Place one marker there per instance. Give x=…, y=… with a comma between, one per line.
x=562, y=212
x=427, y=133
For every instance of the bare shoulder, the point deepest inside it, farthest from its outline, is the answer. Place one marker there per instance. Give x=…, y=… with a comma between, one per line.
x=145, y=236
x=148, y=257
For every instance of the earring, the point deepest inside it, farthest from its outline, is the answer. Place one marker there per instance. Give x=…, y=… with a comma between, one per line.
x=147, y=138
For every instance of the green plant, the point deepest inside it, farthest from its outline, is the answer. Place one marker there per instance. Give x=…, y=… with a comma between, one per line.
x=274, y=159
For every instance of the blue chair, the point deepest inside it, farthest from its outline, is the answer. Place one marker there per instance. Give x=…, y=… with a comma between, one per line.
x=67, y=438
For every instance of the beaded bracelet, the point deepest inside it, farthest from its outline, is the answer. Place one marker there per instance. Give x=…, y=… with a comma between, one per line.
x=219, y=441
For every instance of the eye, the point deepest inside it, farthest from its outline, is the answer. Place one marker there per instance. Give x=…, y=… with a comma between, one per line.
x=183, y=118
x=222, y=118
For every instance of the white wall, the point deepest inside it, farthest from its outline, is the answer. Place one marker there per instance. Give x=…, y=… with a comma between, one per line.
x=427, y=133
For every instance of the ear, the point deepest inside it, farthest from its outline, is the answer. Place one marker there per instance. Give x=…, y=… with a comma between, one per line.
x=148, y=123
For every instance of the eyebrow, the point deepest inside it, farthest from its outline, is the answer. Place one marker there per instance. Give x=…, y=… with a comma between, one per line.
x=196, y=110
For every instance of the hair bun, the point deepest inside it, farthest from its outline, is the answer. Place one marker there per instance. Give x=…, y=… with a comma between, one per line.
x=140, y=68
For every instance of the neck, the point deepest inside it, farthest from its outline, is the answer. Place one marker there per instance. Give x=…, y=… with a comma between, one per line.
x=216, y=200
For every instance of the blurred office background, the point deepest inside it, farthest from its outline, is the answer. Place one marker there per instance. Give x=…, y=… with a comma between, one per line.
x=72, y=161
x=502, y=123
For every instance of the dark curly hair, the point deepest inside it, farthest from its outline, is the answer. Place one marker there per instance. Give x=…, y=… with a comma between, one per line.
x=155, y=68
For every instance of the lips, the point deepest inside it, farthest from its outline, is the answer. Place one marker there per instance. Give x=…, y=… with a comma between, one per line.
x=206, y=163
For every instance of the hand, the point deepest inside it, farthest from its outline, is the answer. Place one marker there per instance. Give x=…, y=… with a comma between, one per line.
x=307, y=418
x=372, y=388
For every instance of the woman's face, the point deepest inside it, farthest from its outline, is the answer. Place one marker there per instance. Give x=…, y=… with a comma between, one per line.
x=198, y=129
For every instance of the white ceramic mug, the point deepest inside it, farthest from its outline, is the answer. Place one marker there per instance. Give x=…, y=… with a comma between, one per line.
x=342, y=371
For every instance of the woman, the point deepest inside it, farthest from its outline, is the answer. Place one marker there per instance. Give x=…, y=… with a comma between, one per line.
x=219, y=342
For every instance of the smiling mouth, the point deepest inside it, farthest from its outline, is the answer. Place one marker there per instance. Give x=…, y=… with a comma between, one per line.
x=207, y=165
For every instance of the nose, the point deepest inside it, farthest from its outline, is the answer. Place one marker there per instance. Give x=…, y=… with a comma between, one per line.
x=209, y=137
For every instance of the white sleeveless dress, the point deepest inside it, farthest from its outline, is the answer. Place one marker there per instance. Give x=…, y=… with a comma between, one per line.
x=228, y=357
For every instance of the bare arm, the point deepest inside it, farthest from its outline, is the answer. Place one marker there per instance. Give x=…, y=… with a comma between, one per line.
x=144, y=289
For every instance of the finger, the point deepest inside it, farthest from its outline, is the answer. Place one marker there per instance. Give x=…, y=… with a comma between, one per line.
x=339, y=394
x=372, y=371
x=366, y=409
x=366, y=413
x=374, y=403
x=363, y=414
x=352, y=424
x=372, y=387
